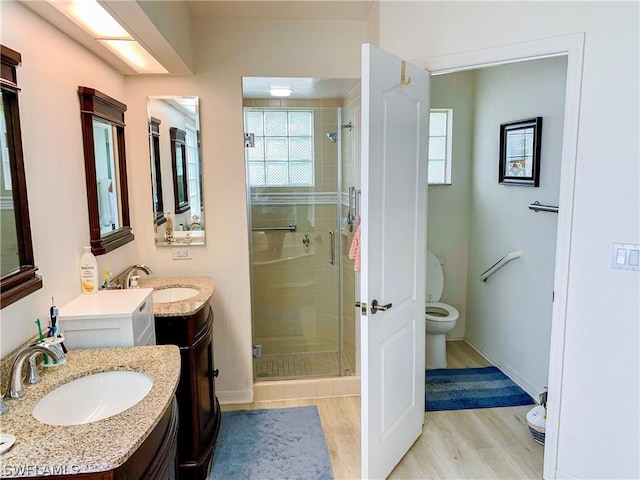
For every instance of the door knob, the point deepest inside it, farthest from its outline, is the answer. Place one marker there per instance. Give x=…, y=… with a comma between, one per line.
x=375, y=307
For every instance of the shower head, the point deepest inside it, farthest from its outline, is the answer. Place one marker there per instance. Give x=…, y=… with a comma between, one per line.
x=333, y=136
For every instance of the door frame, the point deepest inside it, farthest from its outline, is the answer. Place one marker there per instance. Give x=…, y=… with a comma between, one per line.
x=571, y=46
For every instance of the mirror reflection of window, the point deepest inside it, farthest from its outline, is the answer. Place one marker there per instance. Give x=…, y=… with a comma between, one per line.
x=10, y=257
x=106, y=175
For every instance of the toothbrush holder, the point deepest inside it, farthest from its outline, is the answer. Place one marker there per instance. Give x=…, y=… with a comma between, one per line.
x=56, y=342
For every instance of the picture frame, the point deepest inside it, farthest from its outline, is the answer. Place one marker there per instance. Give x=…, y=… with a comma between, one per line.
x=520, y=143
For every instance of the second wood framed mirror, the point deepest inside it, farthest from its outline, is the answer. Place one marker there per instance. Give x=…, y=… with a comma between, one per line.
x=105, y=166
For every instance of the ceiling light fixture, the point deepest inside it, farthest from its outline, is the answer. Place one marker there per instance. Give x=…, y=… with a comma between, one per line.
x=280, y=92
x=91, y=17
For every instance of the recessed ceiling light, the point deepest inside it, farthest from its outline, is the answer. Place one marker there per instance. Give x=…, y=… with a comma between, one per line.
x=280, y=92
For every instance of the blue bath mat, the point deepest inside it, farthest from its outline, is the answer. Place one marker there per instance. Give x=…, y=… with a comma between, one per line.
x=270, y=444
x=463, y=388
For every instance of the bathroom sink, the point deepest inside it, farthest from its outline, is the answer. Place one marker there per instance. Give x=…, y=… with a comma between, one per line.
x=174, y=294
x=92, y=398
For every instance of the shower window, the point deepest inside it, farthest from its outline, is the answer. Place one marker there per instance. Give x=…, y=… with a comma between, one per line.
x=283, y=151
x=439, y=165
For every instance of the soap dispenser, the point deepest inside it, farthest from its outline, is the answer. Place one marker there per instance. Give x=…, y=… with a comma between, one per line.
x=133, y=283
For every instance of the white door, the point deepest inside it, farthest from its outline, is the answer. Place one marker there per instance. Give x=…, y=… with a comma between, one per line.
x=395, y=115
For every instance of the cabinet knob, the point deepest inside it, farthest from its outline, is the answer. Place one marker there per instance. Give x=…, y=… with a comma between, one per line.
x=215, y=373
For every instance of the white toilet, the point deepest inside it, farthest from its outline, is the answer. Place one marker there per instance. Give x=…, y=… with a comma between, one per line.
x=441, y=318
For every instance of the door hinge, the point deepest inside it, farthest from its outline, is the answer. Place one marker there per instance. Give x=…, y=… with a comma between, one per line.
x=257, y=351
x=249, y=140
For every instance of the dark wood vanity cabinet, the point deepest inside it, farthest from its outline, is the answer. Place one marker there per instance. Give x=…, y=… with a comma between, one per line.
x=155, y=459
x=199, y=408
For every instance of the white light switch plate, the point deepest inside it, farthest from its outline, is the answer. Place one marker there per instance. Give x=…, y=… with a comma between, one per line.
x=183, y=253
x=625, y=256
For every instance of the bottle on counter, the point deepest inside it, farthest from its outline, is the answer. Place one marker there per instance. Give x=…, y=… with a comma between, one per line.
x=168, y=227
x=88, y=272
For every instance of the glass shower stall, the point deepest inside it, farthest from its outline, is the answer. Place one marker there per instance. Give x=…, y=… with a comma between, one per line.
x=301, y=211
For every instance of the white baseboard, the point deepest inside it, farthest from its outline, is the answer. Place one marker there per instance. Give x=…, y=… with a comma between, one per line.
x=565, y=476
x=509, y=372
x=454, y=339
x=235, y=397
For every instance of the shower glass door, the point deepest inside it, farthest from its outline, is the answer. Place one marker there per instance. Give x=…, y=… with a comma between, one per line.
x=294, y=209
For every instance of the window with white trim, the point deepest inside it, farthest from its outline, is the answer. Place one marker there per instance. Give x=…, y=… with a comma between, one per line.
x=283, y=151
x=440, y=132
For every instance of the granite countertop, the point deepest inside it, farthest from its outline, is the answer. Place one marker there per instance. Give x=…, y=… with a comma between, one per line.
x=182, y=307
x=42, y=450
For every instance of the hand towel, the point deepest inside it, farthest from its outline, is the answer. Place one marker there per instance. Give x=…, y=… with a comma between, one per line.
x=354, y=251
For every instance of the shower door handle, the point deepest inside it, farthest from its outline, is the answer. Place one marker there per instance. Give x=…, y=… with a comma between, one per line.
x=332, y=249
x=375, y=307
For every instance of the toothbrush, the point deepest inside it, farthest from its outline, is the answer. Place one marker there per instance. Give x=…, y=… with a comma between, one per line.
x=105, y=284
x=53, y=314
x=41, y=338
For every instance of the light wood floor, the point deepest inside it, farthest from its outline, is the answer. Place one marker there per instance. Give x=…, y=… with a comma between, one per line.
x=489, y=443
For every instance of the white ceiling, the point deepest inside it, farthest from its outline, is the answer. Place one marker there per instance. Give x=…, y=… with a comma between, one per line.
x=285, y=10
x=258, y=87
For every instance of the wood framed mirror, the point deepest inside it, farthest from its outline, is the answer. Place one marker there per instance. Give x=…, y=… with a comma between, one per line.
x=105, y=166
x=156, y=171
x=18, y=270
x=179, y=166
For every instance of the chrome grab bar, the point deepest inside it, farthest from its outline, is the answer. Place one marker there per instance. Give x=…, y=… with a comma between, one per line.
x=291, y=228
x=538, y=207
x=499, y=264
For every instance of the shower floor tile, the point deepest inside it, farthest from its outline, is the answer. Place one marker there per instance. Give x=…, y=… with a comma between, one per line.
x=296, y=365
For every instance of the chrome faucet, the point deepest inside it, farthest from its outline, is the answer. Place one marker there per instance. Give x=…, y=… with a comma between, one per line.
x=128, y=273
x=15, y=385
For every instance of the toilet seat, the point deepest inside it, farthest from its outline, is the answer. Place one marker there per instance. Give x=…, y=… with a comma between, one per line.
x=441, y=312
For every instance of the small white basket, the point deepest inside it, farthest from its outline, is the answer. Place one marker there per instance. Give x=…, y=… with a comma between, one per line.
x=537, y=420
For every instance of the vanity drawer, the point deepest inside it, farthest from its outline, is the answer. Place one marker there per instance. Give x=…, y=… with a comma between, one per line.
x=115, y=318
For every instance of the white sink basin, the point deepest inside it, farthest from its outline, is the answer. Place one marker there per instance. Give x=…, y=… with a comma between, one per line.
x=174, y=294
x=92, y=398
